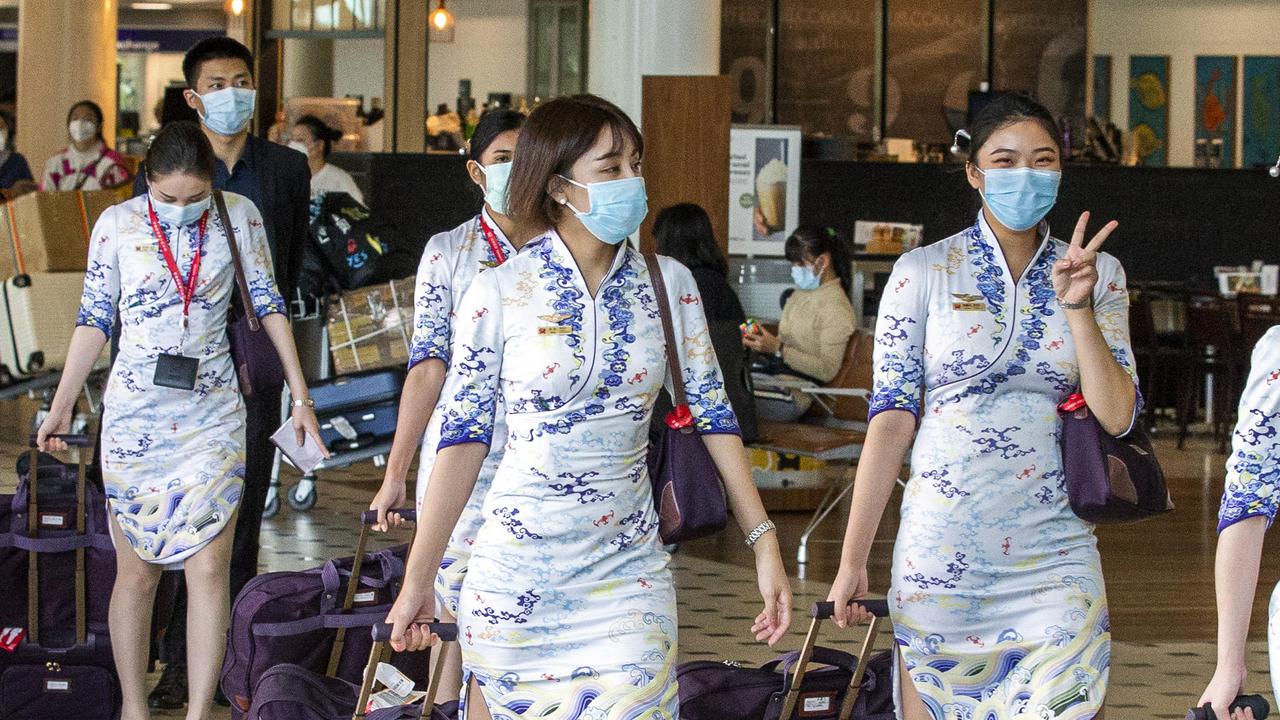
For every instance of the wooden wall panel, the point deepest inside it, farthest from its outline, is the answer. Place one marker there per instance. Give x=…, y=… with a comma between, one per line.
x=686, y=147
x=826, y=66
x=935, y=59
x=1039, y=48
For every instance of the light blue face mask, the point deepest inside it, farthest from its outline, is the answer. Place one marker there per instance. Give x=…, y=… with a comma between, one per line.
x=1020, y=197
x=805, y=278
x=617, y=208
x=496, y=177
x=229, y=110
x=180, y=215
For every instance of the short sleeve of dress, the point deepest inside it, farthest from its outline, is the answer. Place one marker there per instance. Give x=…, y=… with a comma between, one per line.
x=255, y=254
x=433, y=303
x=469, y=396
x=1253, y=470
x=1111, y=312
x=898, y=357
x=102, y=277
x=700, y=369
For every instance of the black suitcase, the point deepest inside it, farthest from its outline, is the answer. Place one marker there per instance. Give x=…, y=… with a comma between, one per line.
x=58, y=565
x=358, y=410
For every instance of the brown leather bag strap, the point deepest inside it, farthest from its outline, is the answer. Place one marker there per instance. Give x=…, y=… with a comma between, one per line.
x=225, y=218
x=668, y=329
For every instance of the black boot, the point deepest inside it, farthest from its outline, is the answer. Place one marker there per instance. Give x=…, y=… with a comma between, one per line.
x=171, y=692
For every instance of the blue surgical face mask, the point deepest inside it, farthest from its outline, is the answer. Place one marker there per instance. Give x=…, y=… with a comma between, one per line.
x=229, y=110
x=180, y=215
x=1020, y=197
x=617, y=208
x=495, y=185
x=805, y=278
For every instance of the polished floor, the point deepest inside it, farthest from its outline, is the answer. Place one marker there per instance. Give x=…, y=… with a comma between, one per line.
x=1159, y=576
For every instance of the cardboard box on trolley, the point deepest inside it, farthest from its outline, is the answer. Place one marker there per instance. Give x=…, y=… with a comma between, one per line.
x=371, y=327
x=48, y=232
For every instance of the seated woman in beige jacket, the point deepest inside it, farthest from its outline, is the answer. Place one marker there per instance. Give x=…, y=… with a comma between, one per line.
x=817, y=322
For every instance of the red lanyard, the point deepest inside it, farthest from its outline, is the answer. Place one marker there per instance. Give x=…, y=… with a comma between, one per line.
x=187, y=289
x=492, y=238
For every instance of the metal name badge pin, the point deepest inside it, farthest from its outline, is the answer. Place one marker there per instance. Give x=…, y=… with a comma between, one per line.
x=555, y=330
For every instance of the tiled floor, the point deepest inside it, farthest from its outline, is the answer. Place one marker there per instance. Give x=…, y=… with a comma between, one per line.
x=1150, y=679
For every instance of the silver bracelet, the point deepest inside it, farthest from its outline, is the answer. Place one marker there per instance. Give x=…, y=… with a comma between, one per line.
x=754, y=536
x=1075, y=305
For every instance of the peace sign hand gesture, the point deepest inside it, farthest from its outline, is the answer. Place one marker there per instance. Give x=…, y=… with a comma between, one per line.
x=1075, y=274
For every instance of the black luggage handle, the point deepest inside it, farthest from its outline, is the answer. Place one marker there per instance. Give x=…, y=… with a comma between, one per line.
x=369, y=517
x=448, y=632
x=1261, y=709
x=825, y=609
x=73, y=440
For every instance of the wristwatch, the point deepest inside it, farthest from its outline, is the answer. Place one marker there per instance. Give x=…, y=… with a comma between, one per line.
x=304, y=402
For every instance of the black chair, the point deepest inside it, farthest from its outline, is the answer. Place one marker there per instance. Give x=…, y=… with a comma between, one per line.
x=1213, y=351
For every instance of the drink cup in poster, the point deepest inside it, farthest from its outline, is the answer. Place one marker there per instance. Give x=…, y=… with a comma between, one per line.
x=771, y=194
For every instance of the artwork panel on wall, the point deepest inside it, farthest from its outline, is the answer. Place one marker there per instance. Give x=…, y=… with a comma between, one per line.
x=1215, y=109
x=1261, y=119
x=744, y=33
x=1102, y=88
x=1149, y=109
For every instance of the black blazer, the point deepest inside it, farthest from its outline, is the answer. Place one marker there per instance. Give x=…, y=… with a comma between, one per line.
x=284, y=181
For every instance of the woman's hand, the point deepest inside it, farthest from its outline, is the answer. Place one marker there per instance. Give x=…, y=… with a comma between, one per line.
x=413, y=609
x=390, y=495
x=57, y=422
x=849, y=585
x=304, y=424
x=1223, y=689
x=1075, y=274
x=762, y=342
x=775, y=589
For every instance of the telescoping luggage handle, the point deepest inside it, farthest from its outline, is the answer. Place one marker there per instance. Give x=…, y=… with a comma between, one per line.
x=823, y=611
x=367, y=518
x=447, y=632
x=33, y=530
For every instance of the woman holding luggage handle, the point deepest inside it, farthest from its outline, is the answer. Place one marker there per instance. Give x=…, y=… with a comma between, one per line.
x=449, y=264
x=568, y=602
x=173, y=418
x=997, y=596
x=1249, y=505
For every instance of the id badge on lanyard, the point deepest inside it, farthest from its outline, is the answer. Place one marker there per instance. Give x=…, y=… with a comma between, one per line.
x=179, y=371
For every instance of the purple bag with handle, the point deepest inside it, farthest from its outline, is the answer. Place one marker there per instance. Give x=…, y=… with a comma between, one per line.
x=257, y=363
x=315, y=619
x=1109, y=479
x=687, y=489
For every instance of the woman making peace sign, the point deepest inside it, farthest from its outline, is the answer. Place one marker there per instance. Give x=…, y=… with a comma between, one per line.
x=997, y=595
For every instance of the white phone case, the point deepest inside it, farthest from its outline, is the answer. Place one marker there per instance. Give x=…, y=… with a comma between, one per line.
x=305, y=458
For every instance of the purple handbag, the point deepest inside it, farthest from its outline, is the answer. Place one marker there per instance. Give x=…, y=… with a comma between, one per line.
x=1109, y=479
x=687, y=489
x=256, y=361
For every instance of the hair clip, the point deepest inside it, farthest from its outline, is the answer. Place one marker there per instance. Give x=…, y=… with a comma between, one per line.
x=955, y=143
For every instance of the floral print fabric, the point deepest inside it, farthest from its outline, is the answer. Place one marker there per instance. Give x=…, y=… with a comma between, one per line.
x=1253, y=470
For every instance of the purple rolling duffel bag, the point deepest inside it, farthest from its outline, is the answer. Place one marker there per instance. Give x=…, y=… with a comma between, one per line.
x=848, y=687
x=57, y=568
x=315, y=619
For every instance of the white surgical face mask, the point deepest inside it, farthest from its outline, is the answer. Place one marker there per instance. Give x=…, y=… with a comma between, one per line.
x=4, y=140
x=82, y=130
x=300, y=147
x=180, y=215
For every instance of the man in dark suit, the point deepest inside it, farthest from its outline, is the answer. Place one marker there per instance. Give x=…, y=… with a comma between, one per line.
x=220, y=88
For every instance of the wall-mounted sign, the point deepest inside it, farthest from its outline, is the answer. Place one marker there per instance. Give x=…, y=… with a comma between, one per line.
x=764, y=187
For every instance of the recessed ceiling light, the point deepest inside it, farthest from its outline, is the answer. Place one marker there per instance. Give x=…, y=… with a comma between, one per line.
x=151, y=6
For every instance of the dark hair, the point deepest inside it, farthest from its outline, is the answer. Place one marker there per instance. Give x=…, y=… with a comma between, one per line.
x=684, y=232
x=11, y=123
x=555, y=136
x=492, y=124
x=93, y=108
x=1004, y=110
x=321, y=131
x=180, y=147
x=810, y=241
x=214, y=48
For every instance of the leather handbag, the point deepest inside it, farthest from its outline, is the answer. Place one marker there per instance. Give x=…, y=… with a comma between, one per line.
x=257, y=363
x=687, y=489
x=1109, y=479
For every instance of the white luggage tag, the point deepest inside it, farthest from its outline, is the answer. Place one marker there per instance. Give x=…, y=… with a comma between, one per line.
x=393, y=680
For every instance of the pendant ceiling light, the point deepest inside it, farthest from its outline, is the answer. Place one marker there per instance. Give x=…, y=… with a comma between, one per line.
x=440, y=24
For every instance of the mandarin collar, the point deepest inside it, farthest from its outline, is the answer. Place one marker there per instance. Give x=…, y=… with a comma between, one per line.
x=565, y=257
x=986, y=239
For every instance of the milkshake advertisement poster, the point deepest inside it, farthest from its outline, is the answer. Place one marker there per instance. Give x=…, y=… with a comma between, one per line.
x=764, y=188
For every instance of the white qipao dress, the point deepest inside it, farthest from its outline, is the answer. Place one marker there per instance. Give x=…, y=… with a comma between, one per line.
x=568, y=609
x=172, y=460
x=449, y=264
x=997, y=597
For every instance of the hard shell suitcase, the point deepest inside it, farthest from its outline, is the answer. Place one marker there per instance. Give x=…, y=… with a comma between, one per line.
x=313, y=619
x=38, y=313
x=358, y=410
x=847, y=687
x=57, y=566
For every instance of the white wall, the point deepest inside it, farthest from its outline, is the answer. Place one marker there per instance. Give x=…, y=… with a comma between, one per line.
x=359, y=69
x=488, y=48
x=1181, y=29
